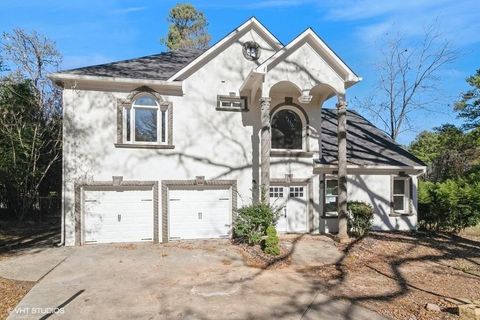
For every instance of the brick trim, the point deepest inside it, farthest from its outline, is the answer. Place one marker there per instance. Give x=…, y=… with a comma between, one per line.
x=199, y=182
x=91, y=185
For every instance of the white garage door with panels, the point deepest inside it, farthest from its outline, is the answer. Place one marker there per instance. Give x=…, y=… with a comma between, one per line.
x=199, y=213
x=292, y=201
x=119, y=214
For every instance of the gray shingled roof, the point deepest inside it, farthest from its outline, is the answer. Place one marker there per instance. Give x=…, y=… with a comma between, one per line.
x=366, y=144
x=154, y=67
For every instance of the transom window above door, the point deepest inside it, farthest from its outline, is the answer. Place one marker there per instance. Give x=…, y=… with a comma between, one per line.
x=287, y=130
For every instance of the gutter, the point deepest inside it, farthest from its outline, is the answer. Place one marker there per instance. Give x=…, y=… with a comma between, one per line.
x=62, y=79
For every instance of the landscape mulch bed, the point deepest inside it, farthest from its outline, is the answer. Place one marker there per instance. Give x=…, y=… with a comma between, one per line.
x=255, y=257
x=11, y=293
x=397, y=274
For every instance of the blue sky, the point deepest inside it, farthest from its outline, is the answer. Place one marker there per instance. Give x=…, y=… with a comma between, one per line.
x=92, y=32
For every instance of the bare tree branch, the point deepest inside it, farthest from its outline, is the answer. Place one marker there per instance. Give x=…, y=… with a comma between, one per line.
x=407, y=77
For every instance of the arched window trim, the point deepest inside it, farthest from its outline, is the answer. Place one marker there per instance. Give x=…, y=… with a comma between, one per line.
x=126, y=121
x=161, y=125
x=303, y=119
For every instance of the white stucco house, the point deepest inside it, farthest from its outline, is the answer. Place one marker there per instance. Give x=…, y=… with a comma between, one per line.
x=167, y=146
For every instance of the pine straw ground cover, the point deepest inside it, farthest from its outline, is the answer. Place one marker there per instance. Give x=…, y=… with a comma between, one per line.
x=397, y=274
x=13, y=240
x=11, y=293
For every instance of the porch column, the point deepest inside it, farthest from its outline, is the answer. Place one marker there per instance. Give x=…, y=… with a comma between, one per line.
x=265, y=146
x=342, y=169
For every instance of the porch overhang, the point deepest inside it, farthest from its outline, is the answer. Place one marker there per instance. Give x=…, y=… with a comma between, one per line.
x=370, y=169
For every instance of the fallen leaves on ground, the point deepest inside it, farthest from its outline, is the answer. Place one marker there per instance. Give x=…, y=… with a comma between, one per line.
x=11, y=293
x=397, y=274
x=255, y=257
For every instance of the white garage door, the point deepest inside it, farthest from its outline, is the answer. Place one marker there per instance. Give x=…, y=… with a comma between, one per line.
x=199, y=213
x=118, y=215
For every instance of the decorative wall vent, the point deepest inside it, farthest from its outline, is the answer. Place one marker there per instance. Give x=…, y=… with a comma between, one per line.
x=251, y=50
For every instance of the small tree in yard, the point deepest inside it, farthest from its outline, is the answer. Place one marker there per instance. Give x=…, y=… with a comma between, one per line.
x=360, y=218
x=251, y=222
x=272, y=243
x=30, y=119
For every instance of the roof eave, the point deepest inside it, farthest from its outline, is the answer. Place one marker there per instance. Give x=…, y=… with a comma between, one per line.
x=419, y=170
x=60, y=79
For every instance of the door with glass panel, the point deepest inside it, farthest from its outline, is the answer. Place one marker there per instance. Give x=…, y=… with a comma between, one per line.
x=292, y=203
x=278, y=199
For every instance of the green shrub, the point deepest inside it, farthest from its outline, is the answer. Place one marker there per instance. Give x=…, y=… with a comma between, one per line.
x=451, y=205
x=360, y=217
x=271, y=244
x=251, y=222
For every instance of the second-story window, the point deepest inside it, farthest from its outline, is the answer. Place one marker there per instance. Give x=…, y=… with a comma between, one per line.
x=145, y=121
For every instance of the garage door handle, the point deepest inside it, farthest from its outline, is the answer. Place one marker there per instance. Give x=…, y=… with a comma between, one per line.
x=224, y=199
x=119, y=217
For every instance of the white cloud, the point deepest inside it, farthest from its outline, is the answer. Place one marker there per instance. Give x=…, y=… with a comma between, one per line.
x=457, y=20
x=127, y=10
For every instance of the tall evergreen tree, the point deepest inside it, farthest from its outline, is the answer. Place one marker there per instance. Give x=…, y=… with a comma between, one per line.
x=469, y=105
x=188, y=28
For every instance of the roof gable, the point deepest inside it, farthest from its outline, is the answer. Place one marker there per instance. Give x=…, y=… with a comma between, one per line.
x=316, y=43
x=221, y=45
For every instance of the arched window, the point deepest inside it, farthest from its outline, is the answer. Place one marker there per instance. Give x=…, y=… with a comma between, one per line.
x=146, y=121
x=287, y=130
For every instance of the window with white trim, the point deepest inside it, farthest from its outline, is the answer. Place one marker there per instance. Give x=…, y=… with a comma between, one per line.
x=400, y=192
x=231, y=103
x=145, y=121
x=287, y=130
x=331, y=197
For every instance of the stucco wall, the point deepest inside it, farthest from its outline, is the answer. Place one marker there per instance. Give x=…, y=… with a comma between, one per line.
x=210, y=143
x=376, y=190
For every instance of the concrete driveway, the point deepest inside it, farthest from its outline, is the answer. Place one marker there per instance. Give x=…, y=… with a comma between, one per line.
x=183, y=280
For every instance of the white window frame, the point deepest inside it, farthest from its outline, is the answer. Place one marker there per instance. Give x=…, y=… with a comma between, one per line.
x=304, y=127
x=231, y=102
x=130, y=110
x=406, y=194
x=329, y=213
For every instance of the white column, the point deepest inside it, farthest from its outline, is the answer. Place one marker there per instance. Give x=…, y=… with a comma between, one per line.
x=265, y=149
x=342, y=168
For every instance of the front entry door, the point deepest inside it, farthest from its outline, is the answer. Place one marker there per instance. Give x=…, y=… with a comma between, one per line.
x=292, y=203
